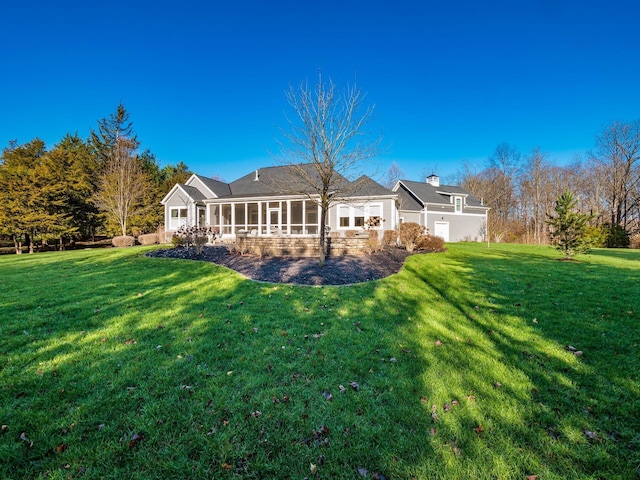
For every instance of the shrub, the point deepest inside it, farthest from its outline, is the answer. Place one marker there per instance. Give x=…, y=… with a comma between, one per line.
x=373, y=245
x=196, y=236
x=595, y=237
x=389, y=237
x=148, y=239
x=123, y=241
x=410, y=232
x=178, y=241
x=430, y=243
x=634, y=240
x=617, y=237
x=350, y=233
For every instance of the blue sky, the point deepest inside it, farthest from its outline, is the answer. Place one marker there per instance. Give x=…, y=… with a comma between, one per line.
x=205, y=82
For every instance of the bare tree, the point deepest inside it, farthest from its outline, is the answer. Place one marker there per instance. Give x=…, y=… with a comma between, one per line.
x=394, y=173
x=617, y=161
x=325, y=145
x=122, y=185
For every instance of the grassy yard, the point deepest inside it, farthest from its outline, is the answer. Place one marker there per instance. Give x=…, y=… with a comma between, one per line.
x=114, y=365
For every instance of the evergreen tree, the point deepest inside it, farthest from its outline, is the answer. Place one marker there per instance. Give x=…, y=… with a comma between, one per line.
x=568, y=226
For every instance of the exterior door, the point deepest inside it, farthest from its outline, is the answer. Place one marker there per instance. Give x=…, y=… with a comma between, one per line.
x=274, y=221
x=441, y=229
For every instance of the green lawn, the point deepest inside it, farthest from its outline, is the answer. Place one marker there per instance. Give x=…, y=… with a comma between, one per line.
x=114, y=365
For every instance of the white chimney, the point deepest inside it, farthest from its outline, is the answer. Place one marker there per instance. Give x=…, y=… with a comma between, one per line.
x=433, y=180
x=257, y=177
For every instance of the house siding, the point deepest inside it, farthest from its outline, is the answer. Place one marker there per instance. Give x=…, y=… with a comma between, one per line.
x=197, y=183
x=461, y=227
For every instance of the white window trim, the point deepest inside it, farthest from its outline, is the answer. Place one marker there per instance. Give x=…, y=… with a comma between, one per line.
x=352, y=214
x=180, y=220
x=455, y=204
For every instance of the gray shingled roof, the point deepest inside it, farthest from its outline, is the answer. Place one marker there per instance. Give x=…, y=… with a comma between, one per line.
x=193, y=192
x=277, y=181
x=427, y=193
x=221, y=189
x=366, y=186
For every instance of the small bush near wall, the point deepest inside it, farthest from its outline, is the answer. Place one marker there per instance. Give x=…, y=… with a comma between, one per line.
x=373, y=245
x=350, y=233
x=389, y=237
x=430, y=243
x=123, y=241
x=410, y=233
x=634, y=241
x=148, y=239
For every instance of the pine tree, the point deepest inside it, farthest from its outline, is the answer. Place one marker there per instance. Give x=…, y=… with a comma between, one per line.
x=568, y=226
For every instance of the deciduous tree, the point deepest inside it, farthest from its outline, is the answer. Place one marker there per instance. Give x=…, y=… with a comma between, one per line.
x=326, y=143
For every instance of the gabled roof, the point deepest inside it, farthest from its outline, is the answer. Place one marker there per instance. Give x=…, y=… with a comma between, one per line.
x=187, y=190
x=429, y=194
x=218, y=188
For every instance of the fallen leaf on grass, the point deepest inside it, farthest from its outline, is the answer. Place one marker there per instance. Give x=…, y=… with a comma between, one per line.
x=327, y=395
x=313, y=468
x=226, y=466
x=438, y=343
x=591, y=435
x=447, y=407
x=363, y=471
x=497, y=385
x=378, y=476
x=532, y=477
x=354, y=385
x=4, y=429
x=61, y=448
x=211, y=431
x=433, y=431
x=24, y=438
x=479, y=429
x=342, y=388
x=136, y=438
x=130, y=341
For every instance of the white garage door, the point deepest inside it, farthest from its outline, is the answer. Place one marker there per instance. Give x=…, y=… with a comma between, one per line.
x=441, y=229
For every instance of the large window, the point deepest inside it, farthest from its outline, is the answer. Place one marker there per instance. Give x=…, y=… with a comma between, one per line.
x=458, y=204
x=177, y=218
x=343, y=214
x=360, y=216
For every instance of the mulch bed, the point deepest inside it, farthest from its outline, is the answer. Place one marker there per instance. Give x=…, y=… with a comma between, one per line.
x=303, y=271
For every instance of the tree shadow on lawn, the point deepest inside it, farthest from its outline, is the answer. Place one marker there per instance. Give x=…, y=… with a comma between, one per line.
x=581, y=412
x=219, y=375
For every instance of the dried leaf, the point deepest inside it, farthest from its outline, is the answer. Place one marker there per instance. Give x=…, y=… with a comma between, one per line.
x=363, y=471
x=342, y=388
x=447, y=407
x=4, y=429
x=393, y=359
x=61, y=448
x=578, y=353
x=532, y=477
x=378, y=476
x=591, y=435
x=497, y=385
x=226, y=466
x=101, y=426
x=256, y=414
x=570, y=348
x=479, y=429
x=354, y=385
x=313, y=468
x=211, y=431
x=434, y=417
x=327, y=395
x=438, y=343
x=424, y=399
x=136, y=438
x=433, y=431
x=130, y=341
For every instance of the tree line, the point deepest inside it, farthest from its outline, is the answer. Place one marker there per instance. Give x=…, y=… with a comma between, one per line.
x=522, y=190
x=81, y=188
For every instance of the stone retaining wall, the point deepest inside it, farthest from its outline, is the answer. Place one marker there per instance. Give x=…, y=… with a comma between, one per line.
x=300, y=246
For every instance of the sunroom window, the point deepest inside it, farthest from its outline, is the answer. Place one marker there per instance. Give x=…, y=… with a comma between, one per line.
x=178, y=217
